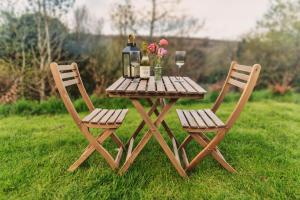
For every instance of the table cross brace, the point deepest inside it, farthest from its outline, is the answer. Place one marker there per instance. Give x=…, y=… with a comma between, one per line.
x=153, y=130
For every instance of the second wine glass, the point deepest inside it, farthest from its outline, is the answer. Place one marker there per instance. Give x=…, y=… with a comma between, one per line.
x=179, y=60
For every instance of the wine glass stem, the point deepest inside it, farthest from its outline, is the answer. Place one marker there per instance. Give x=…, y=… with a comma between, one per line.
x=178, y=72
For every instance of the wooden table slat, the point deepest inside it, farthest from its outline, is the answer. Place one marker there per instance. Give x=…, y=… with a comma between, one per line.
x=168, y=84
x=124, y=85
x=160, y=87
x=133, y=85
x=165, y=88
x=142, y=86
x=177, y=84
x=194, y=85
x=151, y=85
x=116, y=84
x=188, y=87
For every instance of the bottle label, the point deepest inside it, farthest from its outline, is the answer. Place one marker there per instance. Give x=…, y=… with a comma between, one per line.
x=144, y=71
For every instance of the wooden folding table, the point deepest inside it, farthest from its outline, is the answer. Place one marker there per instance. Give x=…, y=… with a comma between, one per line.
x=162, y=93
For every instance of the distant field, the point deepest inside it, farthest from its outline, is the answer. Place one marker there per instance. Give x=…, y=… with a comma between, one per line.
x=263, y=146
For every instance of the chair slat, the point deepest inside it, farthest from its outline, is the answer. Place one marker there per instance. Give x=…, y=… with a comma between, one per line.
x=97, y=118
x=116, y=84
x=206, y=119
x=240, y=76
x=121, y=117
x=214, y=118
x=197, y=87
x=190, y=119
x=243, y=68
x=65, y=67
x=91, y=115
x=182, y=119
x=107, y=115
x=198, y=119
x=68, y=75
x=177, y=85
x=70, y=82
x=237, y=83
x=168, y=84
x=113, y=118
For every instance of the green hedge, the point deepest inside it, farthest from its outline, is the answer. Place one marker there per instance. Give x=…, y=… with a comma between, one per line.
x=54, y=105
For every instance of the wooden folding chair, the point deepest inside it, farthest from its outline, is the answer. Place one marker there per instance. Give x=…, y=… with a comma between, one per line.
x=199, y=122
x=108, y=120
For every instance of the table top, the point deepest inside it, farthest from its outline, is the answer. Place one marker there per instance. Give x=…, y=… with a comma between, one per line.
x=167, y=87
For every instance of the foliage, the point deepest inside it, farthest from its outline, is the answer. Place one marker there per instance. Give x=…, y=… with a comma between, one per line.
x=276, y=46
x=37, y=151
x=55, y=106
x=34, y=37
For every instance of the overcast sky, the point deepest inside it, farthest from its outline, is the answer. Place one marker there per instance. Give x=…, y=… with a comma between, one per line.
x=224, y=19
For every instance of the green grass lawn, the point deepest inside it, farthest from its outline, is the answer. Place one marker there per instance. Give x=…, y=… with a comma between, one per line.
x=263, y=146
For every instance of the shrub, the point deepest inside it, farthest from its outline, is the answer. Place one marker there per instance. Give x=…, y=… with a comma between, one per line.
x=55, y=106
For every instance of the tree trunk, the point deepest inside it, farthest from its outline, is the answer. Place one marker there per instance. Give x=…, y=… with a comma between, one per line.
x=46, y=24
x=153, y=19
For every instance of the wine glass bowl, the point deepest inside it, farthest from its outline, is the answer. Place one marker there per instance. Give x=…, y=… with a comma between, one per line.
x=179, y=60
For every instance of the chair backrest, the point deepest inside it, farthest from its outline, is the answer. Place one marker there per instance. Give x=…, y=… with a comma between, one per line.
x=65, y=76
x=243, y=77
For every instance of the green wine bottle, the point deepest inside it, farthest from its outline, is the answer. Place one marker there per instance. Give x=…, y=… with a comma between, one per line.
x=145, y=63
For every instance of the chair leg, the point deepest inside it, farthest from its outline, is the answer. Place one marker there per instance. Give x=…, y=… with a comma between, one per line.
x=203, y=141
x=89, y=150
x=96, y=144
x=117, y=140
x=208, y=149
x=185, y=142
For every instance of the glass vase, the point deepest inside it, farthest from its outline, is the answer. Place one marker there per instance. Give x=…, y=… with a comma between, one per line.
x=157, y=72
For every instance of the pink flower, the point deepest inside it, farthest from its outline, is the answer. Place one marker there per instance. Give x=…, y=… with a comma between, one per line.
x=162, y=52
x=152, y=48
x=163, y=42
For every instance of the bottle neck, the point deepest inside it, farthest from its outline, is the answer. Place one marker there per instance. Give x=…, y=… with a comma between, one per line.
x=131, y=44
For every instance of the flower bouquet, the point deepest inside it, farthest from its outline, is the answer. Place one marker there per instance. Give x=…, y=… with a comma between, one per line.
x=157, y=53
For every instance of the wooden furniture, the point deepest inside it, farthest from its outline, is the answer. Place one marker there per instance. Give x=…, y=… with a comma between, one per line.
x=199, y=122
x=108, y=120
x=162, y=93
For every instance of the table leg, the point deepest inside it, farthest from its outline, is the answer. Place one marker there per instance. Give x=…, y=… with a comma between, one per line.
x=154, y=131
x=142, y=124
x=164, y=123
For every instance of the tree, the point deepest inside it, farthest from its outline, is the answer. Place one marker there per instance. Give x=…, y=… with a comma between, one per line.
x=15, y=37
x=276, y=45
x=20, y=52
x=123, y=18
x=81, y=18
x=162, y=17
x=49, y=42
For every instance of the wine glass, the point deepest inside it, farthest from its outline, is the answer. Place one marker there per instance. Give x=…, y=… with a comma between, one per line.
x=179, y=60
x=135, y=60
